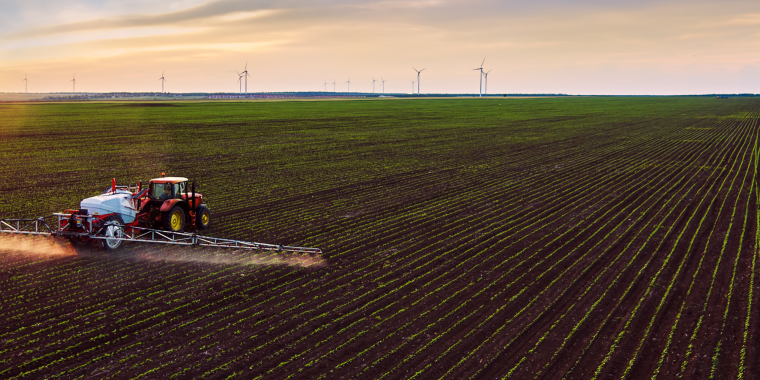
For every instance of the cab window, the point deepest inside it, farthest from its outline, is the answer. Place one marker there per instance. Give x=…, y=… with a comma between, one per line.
x=179, y=189
x=158, y=190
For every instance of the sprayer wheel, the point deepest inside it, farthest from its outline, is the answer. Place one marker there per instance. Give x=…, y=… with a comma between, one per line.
x=114, y=227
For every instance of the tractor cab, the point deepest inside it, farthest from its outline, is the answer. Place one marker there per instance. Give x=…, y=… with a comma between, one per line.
x=172, y=204
x=167, y=188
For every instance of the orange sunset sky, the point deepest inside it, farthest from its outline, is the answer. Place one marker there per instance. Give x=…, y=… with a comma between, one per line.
x=573, y=47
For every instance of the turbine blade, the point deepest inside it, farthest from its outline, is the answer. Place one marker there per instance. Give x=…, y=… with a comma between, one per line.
x=484, y=61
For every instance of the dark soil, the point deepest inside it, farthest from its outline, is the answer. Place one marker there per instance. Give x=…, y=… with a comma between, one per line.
x=575, y=242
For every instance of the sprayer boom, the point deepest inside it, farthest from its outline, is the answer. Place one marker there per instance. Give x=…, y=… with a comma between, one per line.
x=32, y=226
x=113, y=234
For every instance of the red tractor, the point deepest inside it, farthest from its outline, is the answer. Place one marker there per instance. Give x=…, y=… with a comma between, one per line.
x=170, y=204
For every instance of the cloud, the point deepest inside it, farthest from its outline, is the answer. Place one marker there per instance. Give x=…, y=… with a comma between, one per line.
x=203, y=11
x=248, y=15
x=385, y=5
x=750, y=19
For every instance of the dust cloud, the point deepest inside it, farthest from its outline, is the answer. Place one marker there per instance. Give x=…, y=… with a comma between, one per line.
x=41, y=247
x=36, y=246
x=229, y=256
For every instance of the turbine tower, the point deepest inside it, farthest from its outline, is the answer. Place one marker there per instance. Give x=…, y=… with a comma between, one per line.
x=245, y=74
x=383, y=82
x=481, y=76
x=325, y=84
x=162, y=79
x=349, y=84
x=74, y=82
x=486, y=74
x=240, y=81
x=333, y=83
x=373, y=85
x=412, y=86
x=26, y=84
x=418, y=80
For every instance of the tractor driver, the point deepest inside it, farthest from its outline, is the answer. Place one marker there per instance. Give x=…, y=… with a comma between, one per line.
x=167, y=192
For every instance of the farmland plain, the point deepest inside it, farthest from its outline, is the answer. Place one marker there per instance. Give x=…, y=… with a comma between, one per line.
x=482, y=238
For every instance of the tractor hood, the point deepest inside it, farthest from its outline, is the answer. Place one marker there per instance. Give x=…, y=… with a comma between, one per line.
x=119, y=202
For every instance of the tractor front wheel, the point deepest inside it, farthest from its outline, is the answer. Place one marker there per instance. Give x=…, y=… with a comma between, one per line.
x=202, y=217
x=174, y=220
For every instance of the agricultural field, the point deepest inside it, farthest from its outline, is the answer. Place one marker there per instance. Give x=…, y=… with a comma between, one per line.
x=578, y=238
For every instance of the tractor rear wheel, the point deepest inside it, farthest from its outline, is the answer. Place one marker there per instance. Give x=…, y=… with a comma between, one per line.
x=202, y=217
x=114, y=228
x=174, y=220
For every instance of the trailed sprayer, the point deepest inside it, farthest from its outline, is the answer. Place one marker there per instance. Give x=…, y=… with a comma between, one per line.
x=167, y=211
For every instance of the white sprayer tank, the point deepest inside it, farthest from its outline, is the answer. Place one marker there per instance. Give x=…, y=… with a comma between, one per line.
x=119, y=202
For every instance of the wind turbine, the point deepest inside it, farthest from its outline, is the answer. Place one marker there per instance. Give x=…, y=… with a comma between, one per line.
x=333, y=83
x=381, y=78
x=373, y=85
x=245, y=74
x=240, y=81
x=162, y=79
x=418, y=80
x=349, y=84
x=26, y=84
x=74, y=81
x=486, y=74
x=325, y=84
x=412, y=86
x=481, y=76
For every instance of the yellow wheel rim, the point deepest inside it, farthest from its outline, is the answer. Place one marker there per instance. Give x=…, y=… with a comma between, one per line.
x=205, y=218
x=176, y=219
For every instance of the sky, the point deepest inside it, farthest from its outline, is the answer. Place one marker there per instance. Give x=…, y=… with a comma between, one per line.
x=531, y=46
